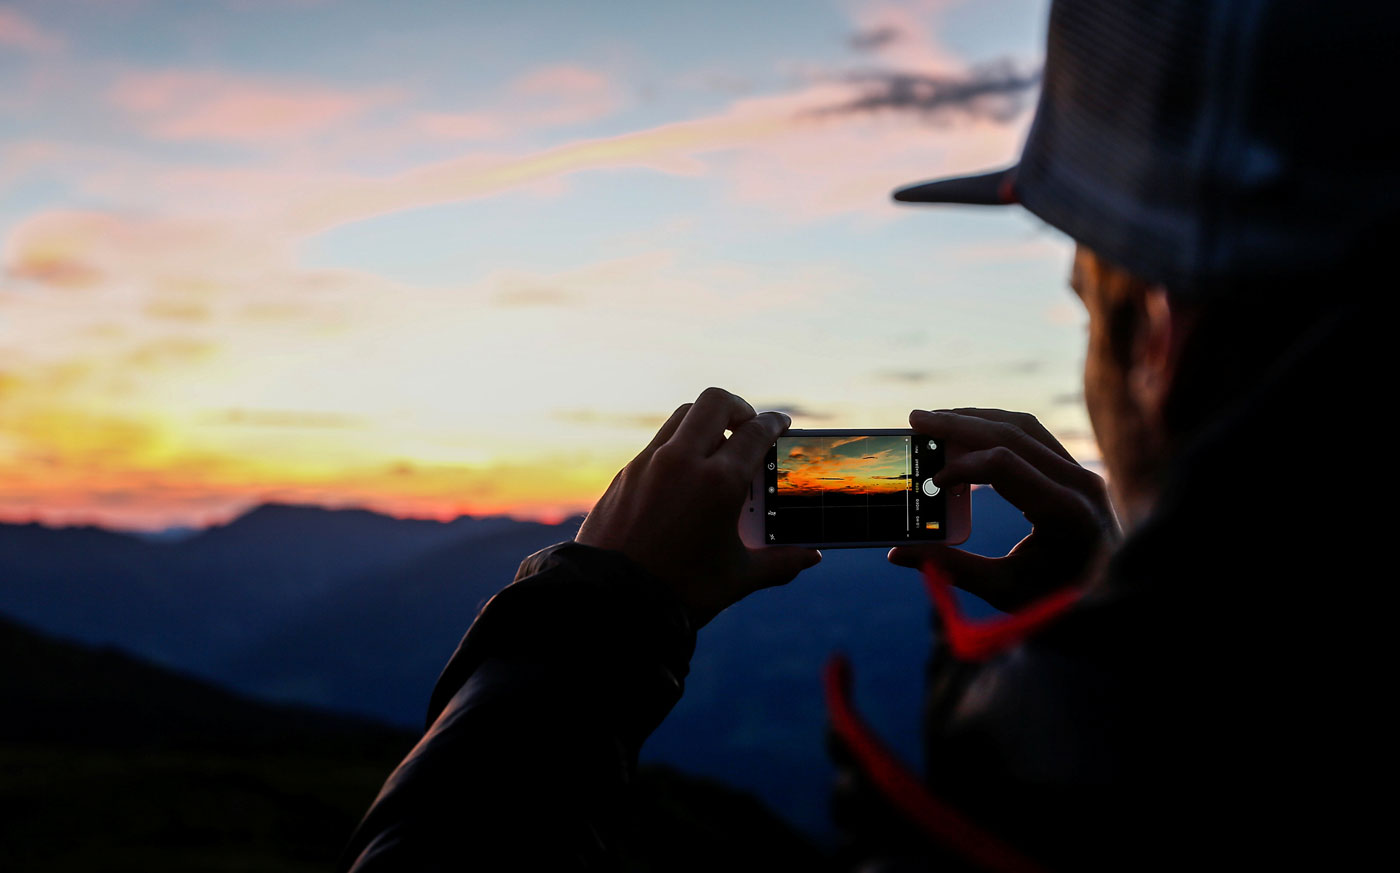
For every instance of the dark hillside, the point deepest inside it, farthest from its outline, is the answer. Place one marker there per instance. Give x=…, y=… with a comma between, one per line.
x=109, y=763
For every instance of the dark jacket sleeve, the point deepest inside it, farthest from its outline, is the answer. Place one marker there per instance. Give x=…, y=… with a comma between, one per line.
x=535, y=725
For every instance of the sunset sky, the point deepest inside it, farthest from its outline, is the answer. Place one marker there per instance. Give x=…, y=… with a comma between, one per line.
x=440, y=257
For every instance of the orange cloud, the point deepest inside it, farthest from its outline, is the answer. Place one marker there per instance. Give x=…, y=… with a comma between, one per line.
x=814, y=466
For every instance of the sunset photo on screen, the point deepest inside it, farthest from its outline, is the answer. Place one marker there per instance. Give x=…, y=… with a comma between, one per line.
x=848, y=466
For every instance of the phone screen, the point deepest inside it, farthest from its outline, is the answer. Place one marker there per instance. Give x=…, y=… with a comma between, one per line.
x=854, y=488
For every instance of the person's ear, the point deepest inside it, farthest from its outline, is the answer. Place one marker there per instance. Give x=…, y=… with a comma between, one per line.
x=1162, y=330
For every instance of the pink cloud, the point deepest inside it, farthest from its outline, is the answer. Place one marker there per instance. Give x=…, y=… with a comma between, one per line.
x=185, y=105
x=917, y=49
x=777, y=153
x=77, y=250
x=461, y=125
x=17, y=31
x=552, y=96
x=562, y=81
x=562, y=94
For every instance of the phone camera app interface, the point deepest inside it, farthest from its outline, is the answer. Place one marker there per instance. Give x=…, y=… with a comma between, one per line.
x=854, y=489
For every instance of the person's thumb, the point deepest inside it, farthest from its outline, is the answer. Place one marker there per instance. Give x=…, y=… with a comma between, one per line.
x=779, y=565
x=955, y=562
x=975, y=574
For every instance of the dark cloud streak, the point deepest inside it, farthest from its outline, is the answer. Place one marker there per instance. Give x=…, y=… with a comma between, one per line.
x=638, y=421
x=875, y=38
x=996, y=91
x=912, y=377
x=797, y=410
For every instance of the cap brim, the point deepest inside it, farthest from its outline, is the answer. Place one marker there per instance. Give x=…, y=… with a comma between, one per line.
x=987, y=189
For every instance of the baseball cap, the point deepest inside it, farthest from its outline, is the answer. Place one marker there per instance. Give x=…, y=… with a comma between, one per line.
x=1210, y=145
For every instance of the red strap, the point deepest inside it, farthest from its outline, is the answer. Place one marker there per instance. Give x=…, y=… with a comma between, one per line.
x=969, y=641
x=980, y=640
x=893, y=779
x=1006, y=191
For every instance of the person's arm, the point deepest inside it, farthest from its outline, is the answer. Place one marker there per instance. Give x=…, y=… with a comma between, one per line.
x=537, y=720
x=535, y=724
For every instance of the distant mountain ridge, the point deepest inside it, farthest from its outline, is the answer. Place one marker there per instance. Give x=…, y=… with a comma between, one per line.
x=195, y=603
x=357, y=613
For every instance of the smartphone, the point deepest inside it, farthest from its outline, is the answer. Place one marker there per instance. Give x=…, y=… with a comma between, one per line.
x=844, y=488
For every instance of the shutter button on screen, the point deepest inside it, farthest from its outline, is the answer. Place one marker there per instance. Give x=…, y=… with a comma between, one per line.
x=929, y=488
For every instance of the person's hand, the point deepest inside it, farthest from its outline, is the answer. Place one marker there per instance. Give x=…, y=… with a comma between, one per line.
x=1073, y=528
x=675, y=508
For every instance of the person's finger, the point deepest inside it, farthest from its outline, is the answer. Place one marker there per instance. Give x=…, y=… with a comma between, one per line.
x=779, y=565
x=976, y=433
x=988, y=578
x=915, y=555
x=948, y=557
x=750, y=441
x=668, y=429
x=713, y=412
x=1020, y=482
x=1026, y=422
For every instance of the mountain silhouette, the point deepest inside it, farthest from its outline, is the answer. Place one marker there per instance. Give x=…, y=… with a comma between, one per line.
x=356, y=613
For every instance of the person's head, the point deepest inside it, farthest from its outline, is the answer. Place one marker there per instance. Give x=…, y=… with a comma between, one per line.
x=1219, y=169
x=1159, y=369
